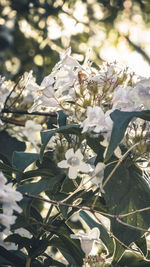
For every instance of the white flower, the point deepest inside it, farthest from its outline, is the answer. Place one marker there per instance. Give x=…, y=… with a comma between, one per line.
x=98, y=174
x=143, y=93
x=124, y=99
x=96, y=120
x=7, y=220
x=5, y=88
x=8, y=198
x=46, y=95
x=31, y=131
x=87, y=240
x=74, y=161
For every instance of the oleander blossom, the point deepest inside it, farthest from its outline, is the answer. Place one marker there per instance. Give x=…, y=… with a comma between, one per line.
x=8, y=199
x=74, y=161
x=87, y=240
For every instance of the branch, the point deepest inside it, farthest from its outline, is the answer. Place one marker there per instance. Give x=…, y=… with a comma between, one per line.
x=25, y=112
x=12, y=121
x=133, y=212
x=138, y=49
x=58, y=203
x=132, y=226
x=117, y=217
x=117, y=165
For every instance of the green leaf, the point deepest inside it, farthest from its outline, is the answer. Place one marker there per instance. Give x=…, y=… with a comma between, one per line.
x=5, y=168
x=46, y=135
x=22, y=160
x=9, y=144
x=48, y=163
x=127, y=191
x=49, y=261
x=62, y=118
x=94, y=143
x=104, y=236
x=121, y=120
x=119, y=251
x=16, y=259
x=38, y=247
x=40, y=186
x=36, y=173
x=4, y=261
x=142, y=244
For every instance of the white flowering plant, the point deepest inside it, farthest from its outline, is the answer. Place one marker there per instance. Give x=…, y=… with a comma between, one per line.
x=75, y=155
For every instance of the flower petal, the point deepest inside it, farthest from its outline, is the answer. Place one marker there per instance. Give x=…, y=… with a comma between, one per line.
x=86, y=246
x=69, y=153
x=73, y=172
x=84, y=167
x=63, y=164
x=94, y=234
x=78, y=154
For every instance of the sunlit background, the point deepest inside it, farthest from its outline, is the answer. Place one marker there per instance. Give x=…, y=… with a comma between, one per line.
x=32, y=33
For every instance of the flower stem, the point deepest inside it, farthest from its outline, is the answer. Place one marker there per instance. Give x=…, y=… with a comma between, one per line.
x=28, y=261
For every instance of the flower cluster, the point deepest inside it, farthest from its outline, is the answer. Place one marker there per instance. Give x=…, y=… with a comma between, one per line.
x=88, y=96
x=8, y=198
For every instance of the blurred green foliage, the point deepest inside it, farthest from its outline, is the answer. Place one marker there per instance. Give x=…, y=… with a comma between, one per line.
x=33, y=32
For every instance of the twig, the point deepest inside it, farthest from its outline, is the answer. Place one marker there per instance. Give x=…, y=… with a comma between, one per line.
x=28, y=261
x=133, y=212
x=17, y=97
x=7, y=98
x=117, y=165
x=12, y=121
x=25, y=112
x=131, y=226
x=117, y=217
x=57, y=203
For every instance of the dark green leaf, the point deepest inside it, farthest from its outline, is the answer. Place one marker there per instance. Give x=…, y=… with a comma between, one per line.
x=4, y=261
x=16, y=259
x=62, y=118
x=127, y=191
x=9, y=144
x=48, y=163
x=119, y=251
x=94, y=143
x=22, y=160
x=121, y=120
x=142, y=244
x=49, y=261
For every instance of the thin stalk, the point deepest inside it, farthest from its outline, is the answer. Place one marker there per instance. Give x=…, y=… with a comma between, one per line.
x=28, y=262
x=25, y=112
